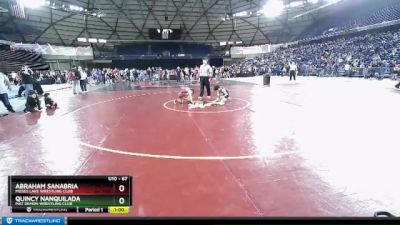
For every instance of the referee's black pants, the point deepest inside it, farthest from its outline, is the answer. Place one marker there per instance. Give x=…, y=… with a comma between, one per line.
x=292, y=73
x=205, y=81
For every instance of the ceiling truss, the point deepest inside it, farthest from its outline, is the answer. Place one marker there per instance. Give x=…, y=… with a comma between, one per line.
x=199, y=20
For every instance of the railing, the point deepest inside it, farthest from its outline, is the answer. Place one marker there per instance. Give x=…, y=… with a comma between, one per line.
x=372, y=72
x=379, y=72
x=154, y=56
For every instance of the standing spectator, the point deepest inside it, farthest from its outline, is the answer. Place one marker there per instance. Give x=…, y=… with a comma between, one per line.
x=214, y=71
x=149, y=74
x=103, y=76
x=284, y=71
x=222, y=71
x=27, y=79
x=14, y=77
x=205, y=76
x=396, y=72
x=397, y=75
x=83, y=79
x=227, y=72
x=196, y=73
x=187, y=73
x=58, y=79
x=3, y=92
x=292, y=70
x=76, y=78
x=114, y=75
x=364, y=70
x=286, y=67
x=131, y=75
x=347, y=69
x=136, y=74
x=382, y=70
x=178, y=74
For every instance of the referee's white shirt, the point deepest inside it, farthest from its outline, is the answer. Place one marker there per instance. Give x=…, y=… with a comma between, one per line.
x=293, y=67
x=205, y=70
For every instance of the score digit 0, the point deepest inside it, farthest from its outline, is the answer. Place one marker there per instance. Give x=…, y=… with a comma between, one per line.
x=121, y=188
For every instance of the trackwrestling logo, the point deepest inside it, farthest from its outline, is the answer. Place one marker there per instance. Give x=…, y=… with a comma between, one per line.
x=34, y=220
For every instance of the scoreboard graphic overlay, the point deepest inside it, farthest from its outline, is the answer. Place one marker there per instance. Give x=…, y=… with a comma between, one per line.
x=70, y=194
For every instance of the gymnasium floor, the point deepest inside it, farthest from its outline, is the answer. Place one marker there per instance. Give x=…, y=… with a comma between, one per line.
x=315, y=147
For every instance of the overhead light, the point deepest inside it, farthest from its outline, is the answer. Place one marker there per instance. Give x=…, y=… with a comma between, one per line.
x=240, y=14
x=230, y=42
x=82, y=39
x=158, y=30
x=273, y=8
x=100, y=14
x=102, y=41
x=295, y=4
x=313, y=1
x=222, y=43
x=327, y=4
x=333, y=1
x=239, y=42
x=33, y=4
x=92, y=40
x=75, y=8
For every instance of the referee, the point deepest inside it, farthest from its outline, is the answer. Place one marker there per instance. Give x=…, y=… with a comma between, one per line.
x=205, y=76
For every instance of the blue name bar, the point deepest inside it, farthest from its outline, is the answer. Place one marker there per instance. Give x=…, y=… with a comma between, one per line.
x=33, y=220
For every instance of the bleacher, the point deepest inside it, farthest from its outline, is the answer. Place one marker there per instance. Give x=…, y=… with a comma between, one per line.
x=356, y=13
x=133, y=50
x=197, y=50
x=13, y=61
x=161, y=48
x=158, y=50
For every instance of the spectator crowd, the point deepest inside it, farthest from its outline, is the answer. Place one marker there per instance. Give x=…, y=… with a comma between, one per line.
x=368, y=55
x=373, y=54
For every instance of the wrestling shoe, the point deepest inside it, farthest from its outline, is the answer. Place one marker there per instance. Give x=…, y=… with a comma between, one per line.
x=175, y=102
x=11, y=110
x=200, y=98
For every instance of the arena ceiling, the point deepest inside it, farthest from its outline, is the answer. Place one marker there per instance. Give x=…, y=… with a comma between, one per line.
x=123, y=21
